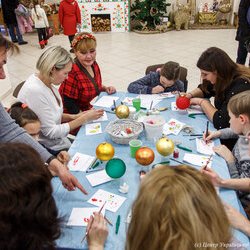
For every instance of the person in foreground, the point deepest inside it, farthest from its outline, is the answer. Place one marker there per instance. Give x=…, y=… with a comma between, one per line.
x=164, y=80
x=40, y=94
x=28, y=214
x=221, y=78
x=11, y=132
x=177, y=207
x=84, y=81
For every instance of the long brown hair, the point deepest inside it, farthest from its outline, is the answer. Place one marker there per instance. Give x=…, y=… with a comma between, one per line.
x=177, y=207
x=216, y=60
x=28, y=214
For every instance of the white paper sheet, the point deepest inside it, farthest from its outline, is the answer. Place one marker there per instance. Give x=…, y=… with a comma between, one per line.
x=80, y=162
x=98, y=178
x=80, y=216
x=106, y=101
x=93, y=128
x=197, y=160
x=173, y=126
x=195, y=109
x=113, y=201
x=146, y=100
x=204, y=148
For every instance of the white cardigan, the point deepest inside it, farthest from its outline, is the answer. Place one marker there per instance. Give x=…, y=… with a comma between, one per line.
x=42, y=21
x=42, y=101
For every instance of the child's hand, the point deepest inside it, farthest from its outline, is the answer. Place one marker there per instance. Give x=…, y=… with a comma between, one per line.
x=97, y=231
x=211, y=135
x=157, y=89
x=63, y=157
x=110, y=90
x=214, y=177
x=224, y=152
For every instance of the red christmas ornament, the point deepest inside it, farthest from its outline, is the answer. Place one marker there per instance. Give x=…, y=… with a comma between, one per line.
x=182, y=102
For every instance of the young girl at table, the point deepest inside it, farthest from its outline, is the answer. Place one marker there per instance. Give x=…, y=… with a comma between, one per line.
x=28, y=120
x=84, y=81
x=164, y=80
x=221, y=78
x=239, y=159
x=28, y=214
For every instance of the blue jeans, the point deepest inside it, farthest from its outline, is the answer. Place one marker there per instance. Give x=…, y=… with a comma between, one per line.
x=15, y=33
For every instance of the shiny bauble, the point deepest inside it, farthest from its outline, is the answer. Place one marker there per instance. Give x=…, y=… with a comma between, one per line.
x=165, y=146
x=105, y=151
x=115, y=168
x=122, y=111
x=182, y=102
x=144, y=156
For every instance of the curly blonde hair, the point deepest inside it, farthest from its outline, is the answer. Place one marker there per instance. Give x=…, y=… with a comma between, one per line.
x=177, y=207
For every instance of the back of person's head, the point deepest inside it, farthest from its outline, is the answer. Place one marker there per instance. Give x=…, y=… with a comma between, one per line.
x=83, y=42
x=240, y=104
x=171, y=70
x=28, y=213
x=176, y=207
x=8, y=45
x=22, y=114
x=54, y=57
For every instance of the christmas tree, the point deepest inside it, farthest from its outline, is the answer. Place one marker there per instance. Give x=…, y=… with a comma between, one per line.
x=149, y=12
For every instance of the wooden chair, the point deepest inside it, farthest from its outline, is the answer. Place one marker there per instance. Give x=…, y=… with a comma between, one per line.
x=183, y=73
x=17, y=89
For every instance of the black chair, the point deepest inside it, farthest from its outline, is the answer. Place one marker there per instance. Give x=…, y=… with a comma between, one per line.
x=183, y=73
x=17, y=89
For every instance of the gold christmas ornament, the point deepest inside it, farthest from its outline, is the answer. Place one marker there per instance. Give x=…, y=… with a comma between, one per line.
x=122, y=111
x=165, y=146
x=105, y=151
x=144, y=156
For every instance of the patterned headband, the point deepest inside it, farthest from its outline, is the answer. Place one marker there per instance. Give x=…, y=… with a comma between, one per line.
x=81, y=37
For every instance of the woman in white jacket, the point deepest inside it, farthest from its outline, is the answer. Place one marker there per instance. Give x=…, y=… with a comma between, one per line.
x=41, y=22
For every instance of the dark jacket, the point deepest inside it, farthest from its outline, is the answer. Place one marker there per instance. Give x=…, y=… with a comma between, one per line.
x=243, y=31
x=8, y=7
x=145, y=84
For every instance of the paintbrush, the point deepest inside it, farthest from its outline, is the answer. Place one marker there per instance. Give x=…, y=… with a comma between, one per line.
x=87, y=231
x=209, y=159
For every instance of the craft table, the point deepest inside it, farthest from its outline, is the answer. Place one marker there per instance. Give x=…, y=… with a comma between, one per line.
x=71, y=236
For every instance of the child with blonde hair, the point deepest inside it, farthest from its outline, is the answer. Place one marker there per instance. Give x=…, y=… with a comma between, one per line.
x=41, y=22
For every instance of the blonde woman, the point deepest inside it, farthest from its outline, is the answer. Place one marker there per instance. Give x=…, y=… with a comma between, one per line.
x=177, y=208
x=40, y=94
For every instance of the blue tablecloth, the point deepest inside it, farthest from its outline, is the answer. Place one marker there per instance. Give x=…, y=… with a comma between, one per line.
x=71, y=236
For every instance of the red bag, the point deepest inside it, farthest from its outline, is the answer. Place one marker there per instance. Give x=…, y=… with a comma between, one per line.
x=49, y=32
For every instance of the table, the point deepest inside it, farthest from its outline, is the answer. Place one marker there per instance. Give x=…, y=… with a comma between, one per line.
x=71, y=236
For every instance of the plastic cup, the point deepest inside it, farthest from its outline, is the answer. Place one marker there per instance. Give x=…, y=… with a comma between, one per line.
x=134, y=146
x=137, y=104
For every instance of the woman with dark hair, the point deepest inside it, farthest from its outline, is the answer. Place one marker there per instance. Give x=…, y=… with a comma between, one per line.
x=28, y=213
x=221, y=78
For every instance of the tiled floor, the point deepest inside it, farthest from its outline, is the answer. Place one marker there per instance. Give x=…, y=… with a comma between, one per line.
x=123, y=57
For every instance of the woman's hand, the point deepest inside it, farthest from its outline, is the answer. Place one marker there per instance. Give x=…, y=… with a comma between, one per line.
x=237, y=220
x=224, y=152
x=63, y=157
x=110, y=90
x=157, y=89
x=68, y=180
x=196, y=101
x=214, y=177
x=93, y=114
x=97, y=232
x=211, y=135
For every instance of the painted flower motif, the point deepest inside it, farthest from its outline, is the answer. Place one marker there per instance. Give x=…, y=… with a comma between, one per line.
x=79, y=38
